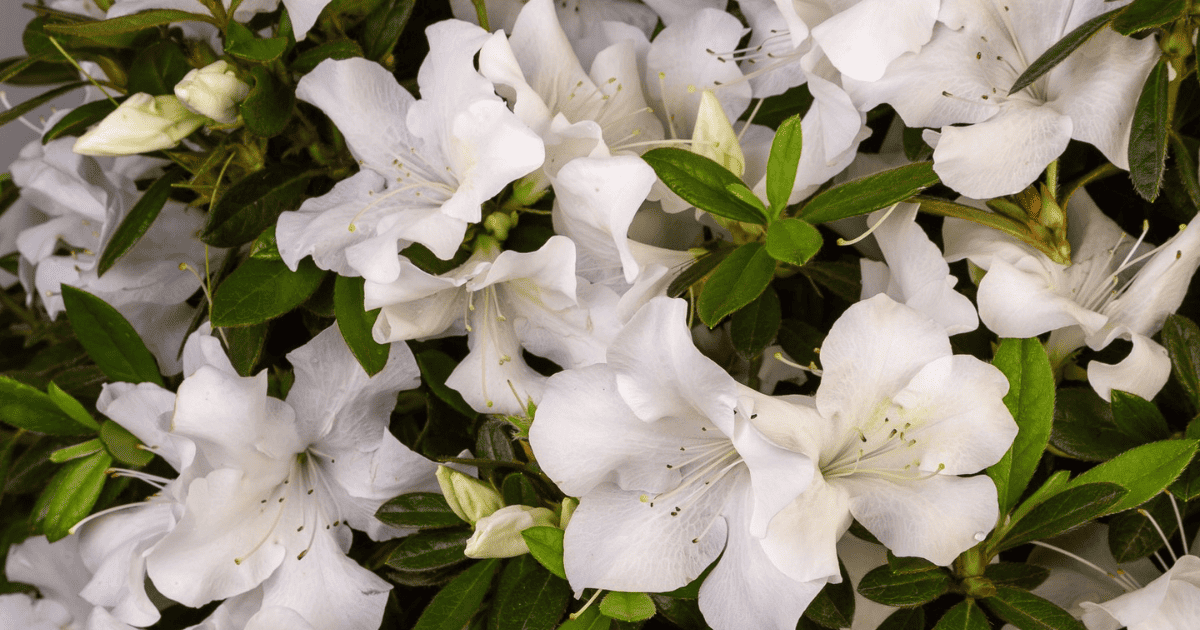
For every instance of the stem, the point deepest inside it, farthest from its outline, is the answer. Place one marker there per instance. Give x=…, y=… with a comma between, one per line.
x=1096, y=174
x=944, y=208
x=81, y=71
x=1052, y=178
x=481, y=11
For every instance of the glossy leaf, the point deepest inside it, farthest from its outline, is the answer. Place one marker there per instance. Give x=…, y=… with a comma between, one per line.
x=26, y=408
x=528, y=597
x=454, y=605
x=123, y=445
x=128, y=23
x=1181, y=336
x=253, y=204
x=965, y=615
x=833, y=607
x=909, y=564
x=1084, y=428
x=268, y=107
x=70, y=495
x=1016, y=574
x=1148, y=138
x=702, y=183
x=753, y=328
x=870, y=193
x=341, y=49
x=793, y=241
x=1061, y=50
x=1138, y=418
x=1069, y=509
x=627, y=606
x=68, y=405
x=1028, y=611
x=1030, y=400
x=903, y=589
x=1144, y=470
x=430, y=551
x=420, y=510
x=246, y=345
x=356, y=324
x=589, y=619
x=783, y=162
x=1144, y=14
x=383, y=28
x=138, y=221
x=77, y=121
x=157, y=68
x=546, y=546
x=736, y=282
x=109, y=339
x=242, y=43
x=84, y=449
x=261, y=290
x=905, y=619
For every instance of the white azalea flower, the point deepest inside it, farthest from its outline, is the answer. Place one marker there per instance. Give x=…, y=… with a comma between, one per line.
x=57, y=572
x=425, y=166
x=1114, y=288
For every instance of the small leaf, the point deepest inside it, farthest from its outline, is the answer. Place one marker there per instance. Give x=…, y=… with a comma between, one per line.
x=77, y=121
x=1145, y=470
x=454, y=605
x=341, y=49
x=737, y=281
x=1070, y=509
x=242, y=43
x=546, y=546
x=1016, y=574
x=383, y=28
x=965, y=615
x=109, y=339
x=1084, y=428
x=93, y=445
x=1061, y=50
x=1144, y=14
x=494, y=441
x=265, y=246
x=25, y=107
x=903, y=589
x=753, y=328
x=261, y=290
x=138, y=221
x=356, y=324
x=431, y=551
x=783, y=162
x=246, y=345
x=268, y=107
x=128, y=23
x=1148, y=138
x=627, y=606
x=123, y=445
x=793, y=241
x=68, y=405
x=1028, y=611
x=833, y=607
x=1138, y=418
x=157, y=68
x=528, y=597
x=1181, y=336
x=420, y=510
x=702, y=183
x=870, y=193
x=696, y=272
x=70, y=495
x=1030, y=400
x=254, y=204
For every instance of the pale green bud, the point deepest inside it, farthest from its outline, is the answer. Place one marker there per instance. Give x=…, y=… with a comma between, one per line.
x=568, y=510
x=499, y=535
x=141, y=124
x=213, y=91
x=470, y=498
x=714, y=137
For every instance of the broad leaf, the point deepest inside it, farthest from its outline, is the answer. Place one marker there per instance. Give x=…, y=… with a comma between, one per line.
x=793, y=241
x=269, y=105
x=419, y=510
x=702, y=183
x=737, y=281
x=905, y=619
x=70, y=495
x=157, y=69
x=1016, y=574
x=753, y=328
x=546, y=546
x=1138, y=418
x=123, y=445
x=833, y=607
x=627, y=606
x=341, y=49
x=454, y=605
x=1030, y=400
x=68, y=405
x=356, y=324
x=528, y=597
x=109, y=339
x=1084, y=428
x=1144, y=470
x=246, y=345
x=1148, y=138
x=242, y=43
x=965, y=615
x=430, y=551
x=128, y=23
x=909, y=564
x=383, y=28
x=253, y=204
x=1131, y=535
x=77, y=121
x=1143, y=14
x=494, y=441
x=1181, y=336
x=870, y=193
x=1061, y=50
x=138, y=221
x=26, y=408
x=1028, y=611
x=903, y=589
x=783, y=162
x=517, y=489
x=261, y=290
x=1069, y=509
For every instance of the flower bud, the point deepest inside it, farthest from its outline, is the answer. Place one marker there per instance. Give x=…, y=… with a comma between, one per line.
x=499, y=535
x=470, y=498
x=141, y=124
x=213, y=91
x=568, y=510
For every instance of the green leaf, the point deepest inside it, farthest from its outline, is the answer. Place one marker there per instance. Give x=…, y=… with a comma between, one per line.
x=420, y=510
x=383, y=28
x=683, y=613
x=1030, y=400
x=128, y=23
x=746, y=196
x=915, y=147
x=833, y=607
x=109, y=339
x=1187, y=486
x=138, y=221
x=311, y=58
x=1061, y=50
x=436, y=367
x=254, y=204
x=1181, y=336
x=260, y=290
x=528, y=597
x=783, y=162
x=627, y=606
x=356, y=323
x=84, y=449
x=793, y=241
x=753, y=328
x=844, y=279
x=1138, y=418
x=242, y=43
x=1070, y=509
x=37, y=70
x=123, y=445
x=1132, y=536
x=702, y=183
x=903, y=589
x=454, y=605
x=1028, y=611
x=77, y=121
x=1084, y=428
x=1143, y=14
x=246, y=345
x=546, y=546
x=265, y=247
x=905, y=619
x=1016, y=574
x=800, y=340
x=157, y=69
x=70, y=495
x=68, y=405
x=268, y=107
x=1148, y=138
x=870, y=193
x=965, y=615
x=589, y=619
x=494, y=441
x=13, y=67
x=1144, y=470
x=430, y=551
x=737, y=281
x=909, y=564
x=696, y=272
x=21, y=109
x=1054, y=484
x=517, y=489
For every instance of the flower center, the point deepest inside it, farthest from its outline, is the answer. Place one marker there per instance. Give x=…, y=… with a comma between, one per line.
x=875, y=448
x=701, y=465
x=300, y=503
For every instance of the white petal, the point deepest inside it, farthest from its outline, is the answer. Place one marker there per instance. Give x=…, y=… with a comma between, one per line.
x=1144, y=372
x=1021, y=302
x=365, y=481
x=862, y=40
x=802, y=539
x=303, y=14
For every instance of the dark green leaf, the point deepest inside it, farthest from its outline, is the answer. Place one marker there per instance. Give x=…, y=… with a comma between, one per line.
x=494, y=441
x=1145, y=470
x=260, y=290
x=37, y=70
x=546, y=546
x=430, y=551
x=696, y=272
x=684, y=613
x=1054, y=484
x=128, y=23
x=436, y=367
x=800, y=340
x=1148, y=138
x=421, y=510
x=77, y=121
x=702, y=183
x=246, y=345
x=384, y=27
x=528, y=597
x=68, y=405
x=356, y=324
x=1143, y=14
x=1138, y=418
x=589, y=619
x=253, y=204
x=1069, y=509
x=138, y=221
x=793, y=241
x=773, y=110
x=844, y=279
x=915, y=147
x=909, y=564
x=965, y=615
x=157, y=69
x=753, y=328
x=27, y=408
x=341, y=49
x=1084, y=428
x=1061, y=50
x=1181, y=336
x=23, y=108
x=70, y=495
x=1030, y=400
x=1028, y=611
x=109, y=339
x=242, y=43
x=14, y=67
x=454, y=605
x=737, y=281
x=833, y=607
x=517, y=489
x=123, y=445
x=1016, y=574
x=783, y=162
x=265, y=247
x=905, y=619
x=1132, y=536
x=903, y=589
x=870, y=193
x=627, y=606
x=269, y=105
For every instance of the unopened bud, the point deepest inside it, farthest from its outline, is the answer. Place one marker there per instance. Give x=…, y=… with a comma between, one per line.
x=499, y=224
x=141, y=124
x=1052, y=215
x=213, y=91
x=469, y=498
x=568, y=510
x=499, y=535
x=714, y=137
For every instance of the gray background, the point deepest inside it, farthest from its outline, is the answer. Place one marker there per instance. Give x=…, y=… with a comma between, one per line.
x=15, y=135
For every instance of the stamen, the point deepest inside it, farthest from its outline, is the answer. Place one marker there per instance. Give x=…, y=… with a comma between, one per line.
x=811, y=367
x=1166, y=542
x=888, y=213
x=575, y=615
x=750, y=119
x=1179, y=521
x=1121, y=578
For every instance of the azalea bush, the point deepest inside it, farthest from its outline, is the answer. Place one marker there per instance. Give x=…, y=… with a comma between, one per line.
x=592, y=314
